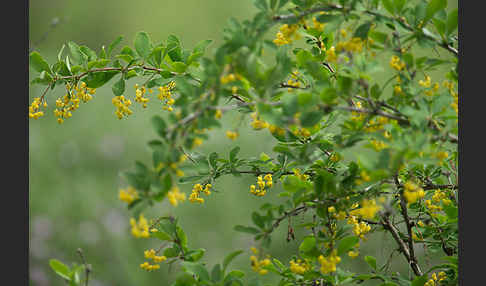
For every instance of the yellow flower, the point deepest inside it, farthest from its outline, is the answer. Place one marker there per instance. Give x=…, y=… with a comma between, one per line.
x=396, y=63
x=197, y=142
x=128, y=195
x=368, y=209
x=331, y=55
x=328, y=263
x=140, y=229
x=353, y=254
x=258, y=124
x=299, y=266
x=175, y=196
x=426, y=82
x=257, y=265
x=218, y=114
x=232, y=135
x=331, y=209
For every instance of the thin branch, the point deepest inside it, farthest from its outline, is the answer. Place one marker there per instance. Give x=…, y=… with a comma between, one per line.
x=329, y=7
x=87, y=267
x=55, y=21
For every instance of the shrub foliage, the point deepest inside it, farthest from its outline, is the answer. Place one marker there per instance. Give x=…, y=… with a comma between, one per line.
x=365, y=140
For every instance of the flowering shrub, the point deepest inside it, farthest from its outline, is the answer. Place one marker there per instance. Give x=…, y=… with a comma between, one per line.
x=321, y=102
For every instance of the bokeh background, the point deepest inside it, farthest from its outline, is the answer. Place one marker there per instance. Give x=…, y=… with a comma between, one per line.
x=74, y=167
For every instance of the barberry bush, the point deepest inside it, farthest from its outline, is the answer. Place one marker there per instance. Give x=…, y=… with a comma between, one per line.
x=358, y=155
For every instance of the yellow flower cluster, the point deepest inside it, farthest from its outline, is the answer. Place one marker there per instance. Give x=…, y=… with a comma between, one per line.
x=140, y=95
x=257, y=265
x=149, y=267
x=174, y=166
x=232, y=135
x=165, y=95
x=304, y=132
x=412, y=192
x=298, y=174
x=258, y=124
x=335, y=157
x=357, y=116
x=359, y=228
x=376, y=125
x=442, y=155
x=378, y=145
x=353, y=254
x=175, y=196
x=218, y=114
x=396, y=63
x=122, y=106
x=354, y=45
x=286, y=33
x=71, y=100
x=368, y=209
x=274, y=129
x=261, y=185
x=291, y=83
x=151, y=254
x=425, y=83
x=331, y=55
x=229, y=78
x=34, y=108
x=328, y=263
x=299, y=266
x=196, y=190
x=318, y=25
x=197, y=142
x=436, y=279
x=128, y=195
x=140, y=229
x=450, y=86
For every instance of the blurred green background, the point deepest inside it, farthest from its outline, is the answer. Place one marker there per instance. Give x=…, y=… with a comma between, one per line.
x=74, y=167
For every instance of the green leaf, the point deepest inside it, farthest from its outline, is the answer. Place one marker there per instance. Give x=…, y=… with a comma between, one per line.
x=399, y=4
x=38, y=63
x=174, y=49
x=371, y=261
x=261, y=4
x=258, y=219
x=433, y=7
x=159, y=125
x=182, y=236
x=216, y=273
x=196, y=254
x=76, y=54
x=227, y=260
x=308, y=246
x=142, y=44
x=179, y=67
x=362, y=30
x=113, y=45
x=162, y=235
x=419, y=280
x=311, y=118
x=347, y=244
x=201, y=46
x=212, y=160
x=234, y=153
x=171, y=252
x=184, y=279
x=95, y=80
x=88, y=52
x=389, y=6
x=60, y=268
x=247, y=229
x=451, y=24
x=119, y=87
x=196, y=269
